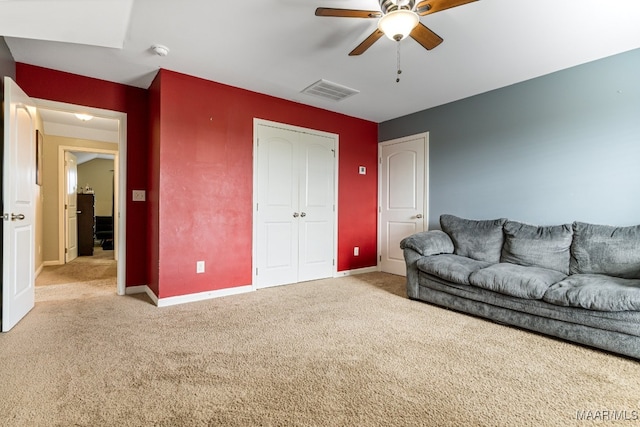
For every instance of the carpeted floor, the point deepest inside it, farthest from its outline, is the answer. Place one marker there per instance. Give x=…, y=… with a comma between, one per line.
x=352, y=351
x=100, y=266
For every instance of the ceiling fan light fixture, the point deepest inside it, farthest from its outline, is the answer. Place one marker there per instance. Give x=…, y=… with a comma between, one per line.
x=398, y=24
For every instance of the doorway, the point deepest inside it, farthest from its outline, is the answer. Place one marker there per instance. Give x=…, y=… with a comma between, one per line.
x=88, y=205
x=84, y=139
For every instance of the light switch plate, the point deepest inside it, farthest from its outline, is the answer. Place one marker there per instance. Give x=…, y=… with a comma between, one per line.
x=139, y=195
x=362, y=170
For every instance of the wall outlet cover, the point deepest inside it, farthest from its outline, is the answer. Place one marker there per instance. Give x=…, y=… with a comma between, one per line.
x=200, y=267
x=139, y=195
x=362, y=170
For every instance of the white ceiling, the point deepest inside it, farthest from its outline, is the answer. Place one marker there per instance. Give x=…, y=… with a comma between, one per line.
x=65, y=123
x=279, y=47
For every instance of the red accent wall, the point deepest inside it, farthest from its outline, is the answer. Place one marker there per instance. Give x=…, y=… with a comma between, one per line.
x=200, y=181
x=59, y=86
x=190, y=145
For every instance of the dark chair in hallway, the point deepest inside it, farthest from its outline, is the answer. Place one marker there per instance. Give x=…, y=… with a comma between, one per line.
x=104, y=231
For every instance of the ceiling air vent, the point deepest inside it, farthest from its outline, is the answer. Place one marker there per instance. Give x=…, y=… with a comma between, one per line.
x=329, y=90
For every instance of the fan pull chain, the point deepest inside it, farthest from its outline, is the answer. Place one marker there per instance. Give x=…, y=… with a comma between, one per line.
x=399, y=70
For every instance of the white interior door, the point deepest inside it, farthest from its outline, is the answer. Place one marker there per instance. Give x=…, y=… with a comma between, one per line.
x=18, y=193
x=71, y=206
x=316, y=189
x=277, y=210
x=295, y=206
x=403, y=187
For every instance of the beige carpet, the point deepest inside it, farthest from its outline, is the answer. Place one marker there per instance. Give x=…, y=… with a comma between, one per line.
x=342, y=352
x=100, y=266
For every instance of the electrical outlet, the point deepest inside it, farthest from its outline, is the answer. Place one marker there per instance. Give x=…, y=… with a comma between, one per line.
x=362, y=170
x=139, y=196
x=356, y=251
x=200, y=267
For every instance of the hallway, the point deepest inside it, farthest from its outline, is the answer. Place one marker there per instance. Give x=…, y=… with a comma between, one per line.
x=84, y=276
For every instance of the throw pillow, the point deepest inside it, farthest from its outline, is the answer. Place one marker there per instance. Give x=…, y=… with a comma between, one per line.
x=546, y=247
x=604, y=249
x=477, y=239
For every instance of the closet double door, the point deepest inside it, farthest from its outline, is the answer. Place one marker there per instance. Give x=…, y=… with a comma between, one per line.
x=295, y=209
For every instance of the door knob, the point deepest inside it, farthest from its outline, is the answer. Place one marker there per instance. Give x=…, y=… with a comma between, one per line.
x=78, y=212
x=419, y=216
x=18, y=217
x=303, y=214
x=296, y=214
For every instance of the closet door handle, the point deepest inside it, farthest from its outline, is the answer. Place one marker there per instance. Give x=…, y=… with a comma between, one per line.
x=419, y=216
x=303, y=214
x=296, y=214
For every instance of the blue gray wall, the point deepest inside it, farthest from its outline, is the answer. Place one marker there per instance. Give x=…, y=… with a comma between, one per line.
x=550, y=150
x=7, y=64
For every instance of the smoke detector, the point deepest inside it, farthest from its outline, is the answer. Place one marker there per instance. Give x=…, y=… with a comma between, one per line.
x=160, y=50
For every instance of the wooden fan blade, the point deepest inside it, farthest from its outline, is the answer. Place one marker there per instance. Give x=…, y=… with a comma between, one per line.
x=347, y=13
x=428, y=7
x=366, y=44
x=427, y=38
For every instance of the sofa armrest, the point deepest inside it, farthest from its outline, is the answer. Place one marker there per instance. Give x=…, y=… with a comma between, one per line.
x=416, y=246
x=433, y=242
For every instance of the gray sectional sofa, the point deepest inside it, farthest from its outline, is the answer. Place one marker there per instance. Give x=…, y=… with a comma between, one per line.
x=579, y=282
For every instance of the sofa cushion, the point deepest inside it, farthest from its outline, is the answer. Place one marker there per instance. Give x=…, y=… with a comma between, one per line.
x=516, y=280
x=603, y=249
x=481, y=240
x=453, y=268
x=427, y=243
x=596, y=292
x=546, y=247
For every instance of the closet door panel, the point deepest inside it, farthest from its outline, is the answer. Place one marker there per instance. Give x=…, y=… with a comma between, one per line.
x=278, y=234
x=317, y=207
x=295, y=216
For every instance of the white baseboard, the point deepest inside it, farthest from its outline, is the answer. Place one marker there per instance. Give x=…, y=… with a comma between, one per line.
x=141, y=289
x=356, y=271
x=50, y=263
x=38, y=271
x=201, y=296
x=183, y=299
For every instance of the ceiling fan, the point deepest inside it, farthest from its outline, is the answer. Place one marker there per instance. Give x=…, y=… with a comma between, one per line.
x=397, y=20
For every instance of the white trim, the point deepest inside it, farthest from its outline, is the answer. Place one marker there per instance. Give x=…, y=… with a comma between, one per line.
x=50, y=263
x=201, y=296
x=425, y=201
x=336, y=138
x=120, y=192
x=139, y=289
x=357, y=271
x=142, y=289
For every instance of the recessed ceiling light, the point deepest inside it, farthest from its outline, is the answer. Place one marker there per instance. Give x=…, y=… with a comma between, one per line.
x=84, y=117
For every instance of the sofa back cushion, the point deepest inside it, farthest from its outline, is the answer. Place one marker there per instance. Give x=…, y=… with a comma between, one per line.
x=481, y=240
x=531, y=246
x=604, y=249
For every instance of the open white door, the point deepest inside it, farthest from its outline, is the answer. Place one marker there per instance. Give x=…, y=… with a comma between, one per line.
x=403, y=196
x=71, y=206
x=18, y=194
